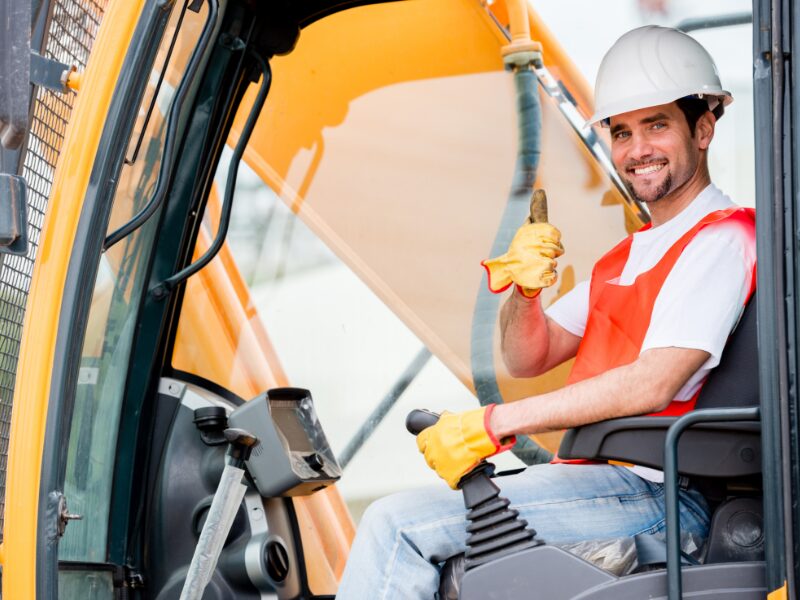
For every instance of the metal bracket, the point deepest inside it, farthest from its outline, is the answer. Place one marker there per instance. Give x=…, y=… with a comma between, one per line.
x=523, y=60
x=125, y=578
x=13, y=214
x=135, y=579
x=15, y=45
x=64, y=516
x=49, y=73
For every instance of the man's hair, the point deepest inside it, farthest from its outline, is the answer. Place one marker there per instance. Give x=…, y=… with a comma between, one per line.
x=693, y=108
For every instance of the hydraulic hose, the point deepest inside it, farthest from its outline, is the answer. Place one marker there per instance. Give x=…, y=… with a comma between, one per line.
x=521, y=56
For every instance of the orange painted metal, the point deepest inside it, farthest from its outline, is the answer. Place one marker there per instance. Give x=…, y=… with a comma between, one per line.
x=37, y=351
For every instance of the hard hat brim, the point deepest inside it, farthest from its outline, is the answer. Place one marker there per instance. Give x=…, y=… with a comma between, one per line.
x=654, y=99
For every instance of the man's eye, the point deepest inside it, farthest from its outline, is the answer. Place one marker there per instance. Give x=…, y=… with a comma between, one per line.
x=622, y=135
x=659, y=125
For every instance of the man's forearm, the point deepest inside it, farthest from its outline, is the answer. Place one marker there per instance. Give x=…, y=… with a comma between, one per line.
x=532, y=343
x=525, y=340
x=644, y=386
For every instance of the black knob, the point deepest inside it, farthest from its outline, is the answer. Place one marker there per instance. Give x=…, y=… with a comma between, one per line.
x=419, y=419
x=211, y=421
x=210, y=418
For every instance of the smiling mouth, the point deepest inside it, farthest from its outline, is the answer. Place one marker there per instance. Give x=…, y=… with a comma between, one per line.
x=648, y=169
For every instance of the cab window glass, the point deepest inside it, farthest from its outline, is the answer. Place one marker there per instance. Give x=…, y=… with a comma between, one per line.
x=360, y=221
x=361, y=218
x=325, y=330
x=112, y=317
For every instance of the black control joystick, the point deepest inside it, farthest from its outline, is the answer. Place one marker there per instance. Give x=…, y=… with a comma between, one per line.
x=419, y=419
x=494, y=529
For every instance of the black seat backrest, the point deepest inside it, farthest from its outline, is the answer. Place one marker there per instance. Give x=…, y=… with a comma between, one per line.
x=730, y=449
x=734, y=383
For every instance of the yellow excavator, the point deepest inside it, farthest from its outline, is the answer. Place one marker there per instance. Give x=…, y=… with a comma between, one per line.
x=152, y=443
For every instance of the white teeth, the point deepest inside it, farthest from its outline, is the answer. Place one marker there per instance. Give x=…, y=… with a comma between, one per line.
x=648, y=169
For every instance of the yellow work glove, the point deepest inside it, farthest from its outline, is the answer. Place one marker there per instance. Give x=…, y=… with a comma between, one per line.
x=530, y=260
x=458, y=442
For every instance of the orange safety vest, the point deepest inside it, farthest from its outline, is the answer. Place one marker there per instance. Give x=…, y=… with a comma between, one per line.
x=619, y=315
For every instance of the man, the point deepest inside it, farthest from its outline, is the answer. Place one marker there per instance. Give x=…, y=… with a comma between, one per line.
x=645, y=332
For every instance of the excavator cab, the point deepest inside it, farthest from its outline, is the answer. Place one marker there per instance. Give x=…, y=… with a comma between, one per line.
x=155, y=318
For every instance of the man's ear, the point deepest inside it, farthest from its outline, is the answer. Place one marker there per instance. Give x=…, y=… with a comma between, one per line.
x=704, y=129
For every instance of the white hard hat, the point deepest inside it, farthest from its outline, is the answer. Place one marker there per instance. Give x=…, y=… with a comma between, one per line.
x=654, y=65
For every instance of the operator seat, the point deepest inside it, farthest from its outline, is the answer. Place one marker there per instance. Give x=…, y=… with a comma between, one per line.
x=717, y=457
x=715, y=451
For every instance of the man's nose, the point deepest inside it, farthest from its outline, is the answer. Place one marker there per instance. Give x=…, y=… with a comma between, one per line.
x=640, y=147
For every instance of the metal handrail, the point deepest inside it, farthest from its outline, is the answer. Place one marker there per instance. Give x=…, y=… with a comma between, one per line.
x=715, y=21
x=708, y=415
x=170, y=140
x=162, y=289
x=377, y=415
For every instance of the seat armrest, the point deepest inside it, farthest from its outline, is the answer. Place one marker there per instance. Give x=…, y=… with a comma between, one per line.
x=730, y=449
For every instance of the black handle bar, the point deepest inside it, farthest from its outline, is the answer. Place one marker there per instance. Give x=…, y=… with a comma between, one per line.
x=419, y=419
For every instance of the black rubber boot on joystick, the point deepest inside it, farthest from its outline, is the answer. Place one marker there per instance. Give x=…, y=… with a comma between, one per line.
x=494, y=529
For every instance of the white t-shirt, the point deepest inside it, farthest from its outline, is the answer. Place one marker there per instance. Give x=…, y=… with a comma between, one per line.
x=702, y=297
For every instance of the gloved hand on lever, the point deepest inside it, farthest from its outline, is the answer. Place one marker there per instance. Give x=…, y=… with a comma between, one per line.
x=458, y=442
x=530, y=261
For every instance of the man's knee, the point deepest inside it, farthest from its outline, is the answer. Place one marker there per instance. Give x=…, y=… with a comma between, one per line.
x=388, y=514
x=405, y=513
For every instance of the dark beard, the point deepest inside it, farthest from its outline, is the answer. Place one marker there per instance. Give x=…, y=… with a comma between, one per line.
x=662, y=190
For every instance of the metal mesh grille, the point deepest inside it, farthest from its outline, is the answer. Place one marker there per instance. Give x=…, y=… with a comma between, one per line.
x=72, y=30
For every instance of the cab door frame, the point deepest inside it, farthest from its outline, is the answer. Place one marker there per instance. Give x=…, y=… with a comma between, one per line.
x=775, y=107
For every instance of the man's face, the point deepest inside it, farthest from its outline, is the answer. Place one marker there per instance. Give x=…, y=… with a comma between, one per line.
x=653, y=150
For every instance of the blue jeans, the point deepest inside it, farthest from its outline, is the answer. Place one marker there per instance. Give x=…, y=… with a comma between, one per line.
x=403, y=538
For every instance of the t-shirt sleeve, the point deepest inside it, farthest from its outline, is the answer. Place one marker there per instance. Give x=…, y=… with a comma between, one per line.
x=572, y=309
x=704, y=294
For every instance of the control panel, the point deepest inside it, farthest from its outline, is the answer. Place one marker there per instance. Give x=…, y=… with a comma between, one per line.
x=292, y=457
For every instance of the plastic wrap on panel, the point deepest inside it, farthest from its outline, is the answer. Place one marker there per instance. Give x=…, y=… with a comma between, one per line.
x=618, y=555
x=215, y=530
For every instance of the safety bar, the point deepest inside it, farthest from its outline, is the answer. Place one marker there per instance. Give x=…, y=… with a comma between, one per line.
x=381, y=410
x=165, y=287
x=170, y=140
x=696, y=23
x=162, y=72
x=674, y=572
